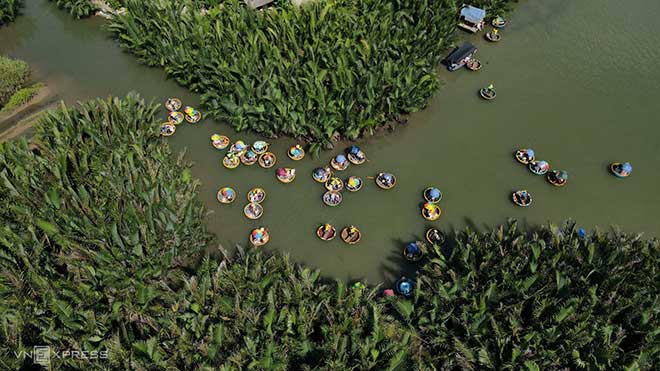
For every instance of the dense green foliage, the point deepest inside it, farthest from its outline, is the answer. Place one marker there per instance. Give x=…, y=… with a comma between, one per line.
x=9, y=10
x=326, y=68
x=14, y=74
x=551, y=301
x=77, y=8
x=21, y=97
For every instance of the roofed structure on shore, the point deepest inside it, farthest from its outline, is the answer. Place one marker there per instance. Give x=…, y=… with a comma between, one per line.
x=459, y=56
x=472, y=18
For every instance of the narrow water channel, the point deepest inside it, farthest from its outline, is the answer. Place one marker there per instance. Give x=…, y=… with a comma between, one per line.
x=578, y=81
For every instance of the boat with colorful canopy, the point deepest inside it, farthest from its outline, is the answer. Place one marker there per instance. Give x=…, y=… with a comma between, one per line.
x=539, y=167
x=493, y=35
x=414, y=251
x=296, y=153
x=231, y=161
x=167, y=129
x=326, y=232
x=285, y=174
x=488, y=93
x=522, y=198
x=260, y=147
x=334, y=184
x=431, y=211
x=432, y=195
x=435, y=237
x=238, y=148
x=257, y=195
x=192, y=115
x=355, y=155
x=351, y=235
x=226, y=195
x=332, y=198
x=339, y=162
x=175, y=117
x=253, y=210
x=621, y=170
x=557, y=178
x=322, y=174
x=525, y=155
x=173, y=104
x=354, y=183
x=499, y=22
x=249, y=158
x=220, y=141
x=259, y=237
x=404, y=286
x=386, y=180
x=267, y=160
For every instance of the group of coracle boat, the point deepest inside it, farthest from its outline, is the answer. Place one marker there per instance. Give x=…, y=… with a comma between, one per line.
x=253, y=210
x=175, y=116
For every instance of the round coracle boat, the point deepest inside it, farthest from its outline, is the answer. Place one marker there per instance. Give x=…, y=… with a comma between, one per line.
x=249, y=158
x=351, y=235
x=498, y=22
x=220, y=141
x=192, y=115
x=322, y=174
x=257, y=195
x=253, y=210
x=354, y=183
x=285, y=174
x=260, y=147
x=404, y=286
x=493, y=36
x=267, y=160
x=414, y=251
x=167, y=129
x=432, y=195
x=431, y=211
x=473, y=64
x=332, y=198
x=226, y=195
x=522, y=198
x=557, y=178
x=238, y=148
x=173, y=104
x=259, y=237
x=435, y=237
x=621, y=170
x=339, y=163
x=488, y=93
x=231, y=161
x=525, y=156
x=296, y=153
x=386, y=180
x=326, y=232
x=355, y=155
x=334, y=184
x=539, y=167
x=175, y=117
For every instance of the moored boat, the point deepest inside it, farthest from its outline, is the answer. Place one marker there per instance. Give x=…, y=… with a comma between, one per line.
x=488, y=93
x=249, y=158
x=226, y=195
x=386, y=180
x=267, y=160
x=231, y=161
x=253, y=210
x=432, y=195
x=460, y=56
x=192, y=115
x=405, y=286
x=332, y=198
x=259, y=237
x=473, y=64
x=525, y=155
x=296, y=153
x=351, y=235
x=414, y=251
x=257, y=195
x=431, y=211
x=493, y=36
x=557, y=178
x=260, y=147
x=499, y=22
x=339, y=163
x=173, y=104
x=220, y=141
x=321, y=174
x=285, y=174
x=326, y=232
x=355, y=155
x=354, y=183
x=621, y=170
x=238, y=148
x=539, y=167
x=167, y=129
x=334, y=184
x=175, y=117
x=522, y=198
x=435, y=237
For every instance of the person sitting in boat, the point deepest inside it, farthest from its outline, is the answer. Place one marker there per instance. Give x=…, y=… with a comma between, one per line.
x=387, y=180
x=267, y=160
x=166, y=130
x=622, y=169
x=414, y=251
x=352, y=232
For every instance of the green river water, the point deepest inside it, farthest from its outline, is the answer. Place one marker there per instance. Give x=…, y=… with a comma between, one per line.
x=578, y=81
